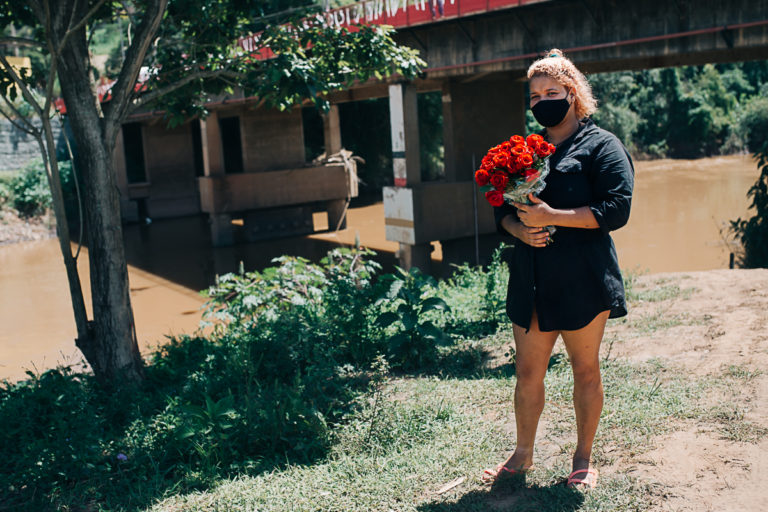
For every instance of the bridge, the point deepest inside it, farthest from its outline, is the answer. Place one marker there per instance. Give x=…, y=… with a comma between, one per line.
x=477, y=53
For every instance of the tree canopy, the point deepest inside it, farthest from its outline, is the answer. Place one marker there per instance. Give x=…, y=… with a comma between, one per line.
x=179, y=55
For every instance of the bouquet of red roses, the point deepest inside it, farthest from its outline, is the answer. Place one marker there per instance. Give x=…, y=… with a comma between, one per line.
x=514, y=169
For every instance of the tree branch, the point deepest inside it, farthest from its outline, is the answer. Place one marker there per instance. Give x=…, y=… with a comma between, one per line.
x=21, y=41
x=129, y=73
x=72, y=29
x=16, y=124
x=153, y=95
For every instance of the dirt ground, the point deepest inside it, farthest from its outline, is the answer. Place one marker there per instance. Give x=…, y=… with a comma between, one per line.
x=13, y=229
x=717, y=320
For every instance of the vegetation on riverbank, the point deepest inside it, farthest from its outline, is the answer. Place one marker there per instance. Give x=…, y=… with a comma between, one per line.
x=306, y=379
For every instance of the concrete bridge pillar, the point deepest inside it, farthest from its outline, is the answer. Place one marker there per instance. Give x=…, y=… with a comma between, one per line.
x=222, y=233
x=406, y=164
x=332, y=131
x=476, y=116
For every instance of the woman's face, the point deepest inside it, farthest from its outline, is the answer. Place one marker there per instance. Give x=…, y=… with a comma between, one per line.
x=545, y=88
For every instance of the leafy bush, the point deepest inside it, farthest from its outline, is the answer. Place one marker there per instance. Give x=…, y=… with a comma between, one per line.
x=414, y=344
x=283, y=377
x=30, y=193
x=754, y=123
x=753, y=232
x=476, y=296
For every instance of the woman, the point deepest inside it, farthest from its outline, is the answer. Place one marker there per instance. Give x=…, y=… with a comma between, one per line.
x=567, y=283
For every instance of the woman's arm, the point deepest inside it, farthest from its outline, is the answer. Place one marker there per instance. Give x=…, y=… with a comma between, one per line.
x=612, y=186
x=540, y=214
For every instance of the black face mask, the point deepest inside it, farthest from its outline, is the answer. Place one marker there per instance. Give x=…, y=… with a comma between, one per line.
x=551, y=112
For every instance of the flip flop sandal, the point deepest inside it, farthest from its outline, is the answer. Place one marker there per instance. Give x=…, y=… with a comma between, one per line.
x=492, y=475
x=589, y=481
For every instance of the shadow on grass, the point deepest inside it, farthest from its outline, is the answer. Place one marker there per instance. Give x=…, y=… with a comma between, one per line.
x=470, y=362
x=513, y=495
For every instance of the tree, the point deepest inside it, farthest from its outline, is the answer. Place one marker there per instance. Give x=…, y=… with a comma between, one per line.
x=188, y=46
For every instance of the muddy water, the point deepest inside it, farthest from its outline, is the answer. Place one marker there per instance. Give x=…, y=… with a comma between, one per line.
x=678, y=209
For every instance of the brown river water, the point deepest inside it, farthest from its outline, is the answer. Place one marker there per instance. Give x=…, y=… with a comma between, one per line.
x=678, y=209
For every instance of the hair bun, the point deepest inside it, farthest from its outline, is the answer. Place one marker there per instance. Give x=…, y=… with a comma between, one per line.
x=554, y=52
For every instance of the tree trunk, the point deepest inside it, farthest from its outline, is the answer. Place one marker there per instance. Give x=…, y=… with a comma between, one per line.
x=111, y=347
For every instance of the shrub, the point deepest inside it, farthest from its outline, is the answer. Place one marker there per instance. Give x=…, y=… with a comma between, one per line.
x=753, y=232
x=414, y=343
x=753, y=123
x=30, y=193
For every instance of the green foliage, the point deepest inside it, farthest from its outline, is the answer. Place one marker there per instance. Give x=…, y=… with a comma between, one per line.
x=284, y=377
x=29, y=191
x=753, y=232
x=753, y=123
x=477, y=297
x=685, y=112
x=30, y=194
x=409, y=298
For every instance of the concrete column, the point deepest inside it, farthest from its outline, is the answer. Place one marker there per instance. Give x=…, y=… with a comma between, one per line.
x=418, y=255
x=404, y=122
x=213, y=161
x=336, y=213
x=222, y=233
x=476, y=116
x=332, y=131
x=406, y=162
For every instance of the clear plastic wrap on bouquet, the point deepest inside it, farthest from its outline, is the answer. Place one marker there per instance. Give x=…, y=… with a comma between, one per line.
x=517, y=191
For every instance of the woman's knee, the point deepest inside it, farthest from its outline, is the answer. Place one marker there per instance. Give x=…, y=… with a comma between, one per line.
x=529, y=374
x=586, y=374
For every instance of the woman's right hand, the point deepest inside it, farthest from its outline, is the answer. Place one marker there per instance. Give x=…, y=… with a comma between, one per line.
x=535, y=237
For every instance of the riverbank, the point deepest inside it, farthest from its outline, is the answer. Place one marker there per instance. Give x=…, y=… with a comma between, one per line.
x=684, y=426
x=14, y=229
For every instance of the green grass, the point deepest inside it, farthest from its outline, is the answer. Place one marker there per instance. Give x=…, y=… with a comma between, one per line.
x=425, y=432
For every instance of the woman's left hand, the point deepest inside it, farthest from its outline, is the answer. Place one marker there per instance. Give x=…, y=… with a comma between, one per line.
x=536, y=215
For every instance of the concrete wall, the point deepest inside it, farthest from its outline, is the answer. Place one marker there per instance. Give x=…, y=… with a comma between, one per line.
x=17, y=148
x=272, y=139
x=169, y=160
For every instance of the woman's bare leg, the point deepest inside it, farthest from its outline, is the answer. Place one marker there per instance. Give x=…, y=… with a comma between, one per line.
x=583, y=348
x=532, y=352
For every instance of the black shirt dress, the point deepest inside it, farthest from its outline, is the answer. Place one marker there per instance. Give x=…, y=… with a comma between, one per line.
x=577, y=276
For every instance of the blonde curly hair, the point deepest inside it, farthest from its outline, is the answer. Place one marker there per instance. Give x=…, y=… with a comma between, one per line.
x=556, y=66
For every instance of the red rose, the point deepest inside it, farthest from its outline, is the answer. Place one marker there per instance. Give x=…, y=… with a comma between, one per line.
x=525, y=160
x=517, y=139
x=482, y=177
x=551, y=149
x=487, y=163
x=505, y=145
x=499, y=180
x=534, y=139
x=494, y=197
x=501, y=159
x=518, y=150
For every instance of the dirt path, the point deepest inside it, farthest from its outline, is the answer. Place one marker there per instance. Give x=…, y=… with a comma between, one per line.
x=708, y=324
